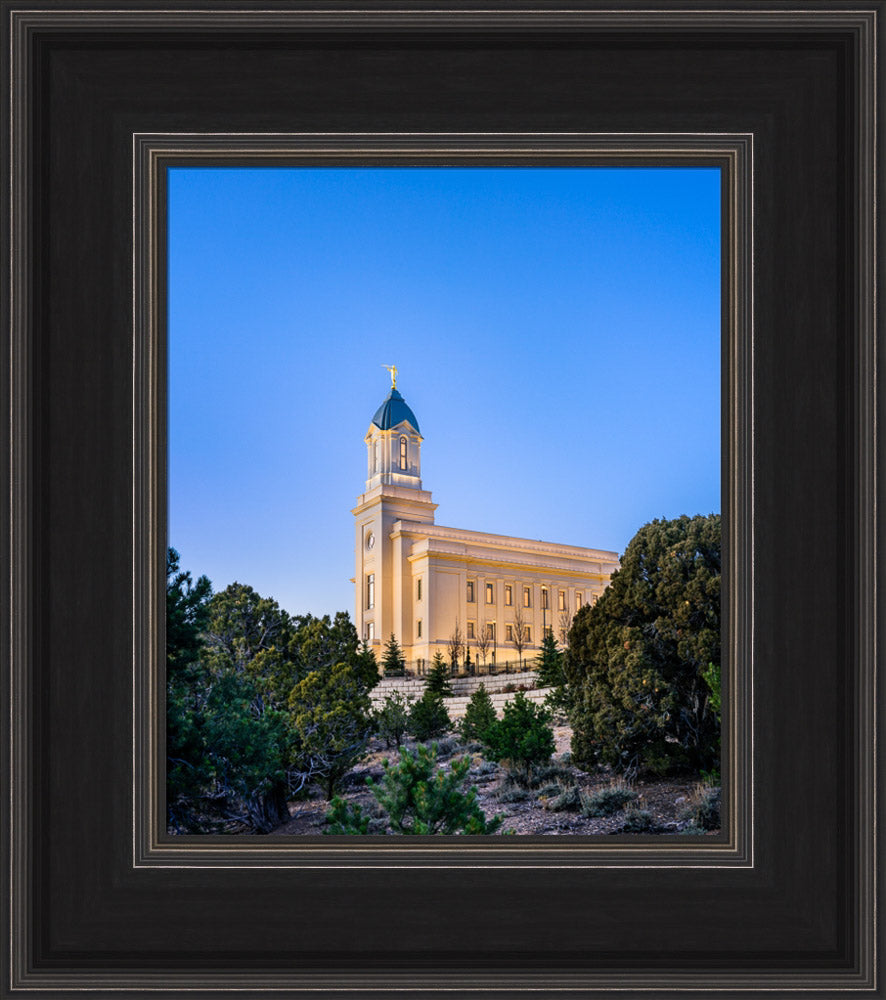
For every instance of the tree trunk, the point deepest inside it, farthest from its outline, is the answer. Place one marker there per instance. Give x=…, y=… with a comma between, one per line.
x=270, y=811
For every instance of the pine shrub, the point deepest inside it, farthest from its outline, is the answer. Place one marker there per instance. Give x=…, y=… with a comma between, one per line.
x=429, y=717
x=479, y=715
x=392, y=719
x=438, y=678
x=421, y=798
x=393, y=660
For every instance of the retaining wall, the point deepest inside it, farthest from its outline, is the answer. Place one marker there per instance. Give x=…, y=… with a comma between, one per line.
x=462, y=689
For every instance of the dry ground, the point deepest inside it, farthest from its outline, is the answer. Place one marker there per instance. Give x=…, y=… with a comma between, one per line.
x=666, y=800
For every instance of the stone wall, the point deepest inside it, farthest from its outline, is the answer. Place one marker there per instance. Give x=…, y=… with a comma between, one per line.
x=463, y=688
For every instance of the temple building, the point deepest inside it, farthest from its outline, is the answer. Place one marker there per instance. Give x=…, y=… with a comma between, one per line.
x=418, y=580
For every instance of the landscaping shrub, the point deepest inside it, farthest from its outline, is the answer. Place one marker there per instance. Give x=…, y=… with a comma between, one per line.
x=438, y=678
x=479, y=715
x=393, y=661
x=523, y=736
x=392, y=719
x=429, y=717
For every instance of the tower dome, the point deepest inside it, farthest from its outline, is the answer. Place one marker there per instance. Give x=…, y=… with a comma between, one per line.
x=393, y=443
x=393, y=411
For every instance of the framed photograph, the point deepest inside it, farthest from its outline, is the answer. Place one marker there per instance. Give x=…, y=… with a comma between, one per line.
x=107, y=110
x=487, y=281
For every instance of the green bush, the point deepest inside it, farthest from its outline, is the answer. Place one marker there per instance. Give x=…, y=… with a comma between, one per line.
x=429, y=717
x=549, y=663
x=523, y=736
x=438, y=677
x=393, y=661
x=392, y=719
x=418, y=798
x=479, y=715
x=608, y=801
x=638, y=821
x=346, y=818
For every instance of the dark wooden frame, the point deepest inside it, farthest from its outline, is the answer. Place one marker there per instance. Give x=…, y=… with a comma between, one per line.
x=785, y=900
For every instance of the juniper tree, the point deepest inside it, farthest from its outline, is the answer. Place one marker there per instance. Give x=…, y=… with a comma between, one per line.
x=639, y=656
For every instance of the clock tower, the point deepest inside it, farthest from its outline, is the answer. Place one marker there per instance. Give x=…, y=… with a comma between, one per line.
x=385, y=591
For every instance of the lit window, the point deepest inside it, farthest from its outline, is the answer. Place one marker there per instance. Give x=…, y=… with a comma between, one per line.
x=471, y=630
x=470, y=591
x=403, y=453
x=370, y=631
x=490, y=593
x=418, y=589
x=527, y=633
x=490, y=631
x=509, y=633
x=370, y=590
x=418, y=628
x=527, y=597
x=544, y=597
x=561, y=600
x=509, y=594
x=578, y=599
x=549, y=629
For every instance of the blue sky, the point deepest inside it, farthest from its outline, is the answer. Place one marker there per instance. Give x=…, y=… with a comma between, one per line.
x=556, y=331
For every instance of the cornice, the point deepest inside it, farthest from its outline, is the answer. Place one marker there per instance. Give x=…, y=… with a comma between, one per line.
x=488, y=540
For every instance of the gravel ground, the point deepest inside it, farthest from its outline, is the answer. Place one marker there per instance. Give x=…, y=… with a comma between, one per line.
x=665, y=801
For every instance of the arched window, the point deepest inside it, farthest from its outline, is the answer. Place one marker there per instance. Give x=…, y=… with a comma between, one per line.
x=403, y=453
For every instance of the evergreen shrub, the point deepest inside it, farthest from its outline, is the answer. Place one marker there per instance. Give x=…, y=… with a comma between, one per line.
x=523, y=736
x=418, y=798
x=392, y=719
x=479, y=715
x=429, y=717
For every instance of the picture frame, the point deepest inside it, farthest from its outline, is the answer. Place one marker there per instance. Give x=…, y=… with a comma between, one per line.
x=100, y=901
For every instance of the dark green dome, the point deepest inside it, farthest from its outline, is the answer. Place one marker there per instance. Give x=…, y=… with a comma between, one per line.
x=394, y=411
